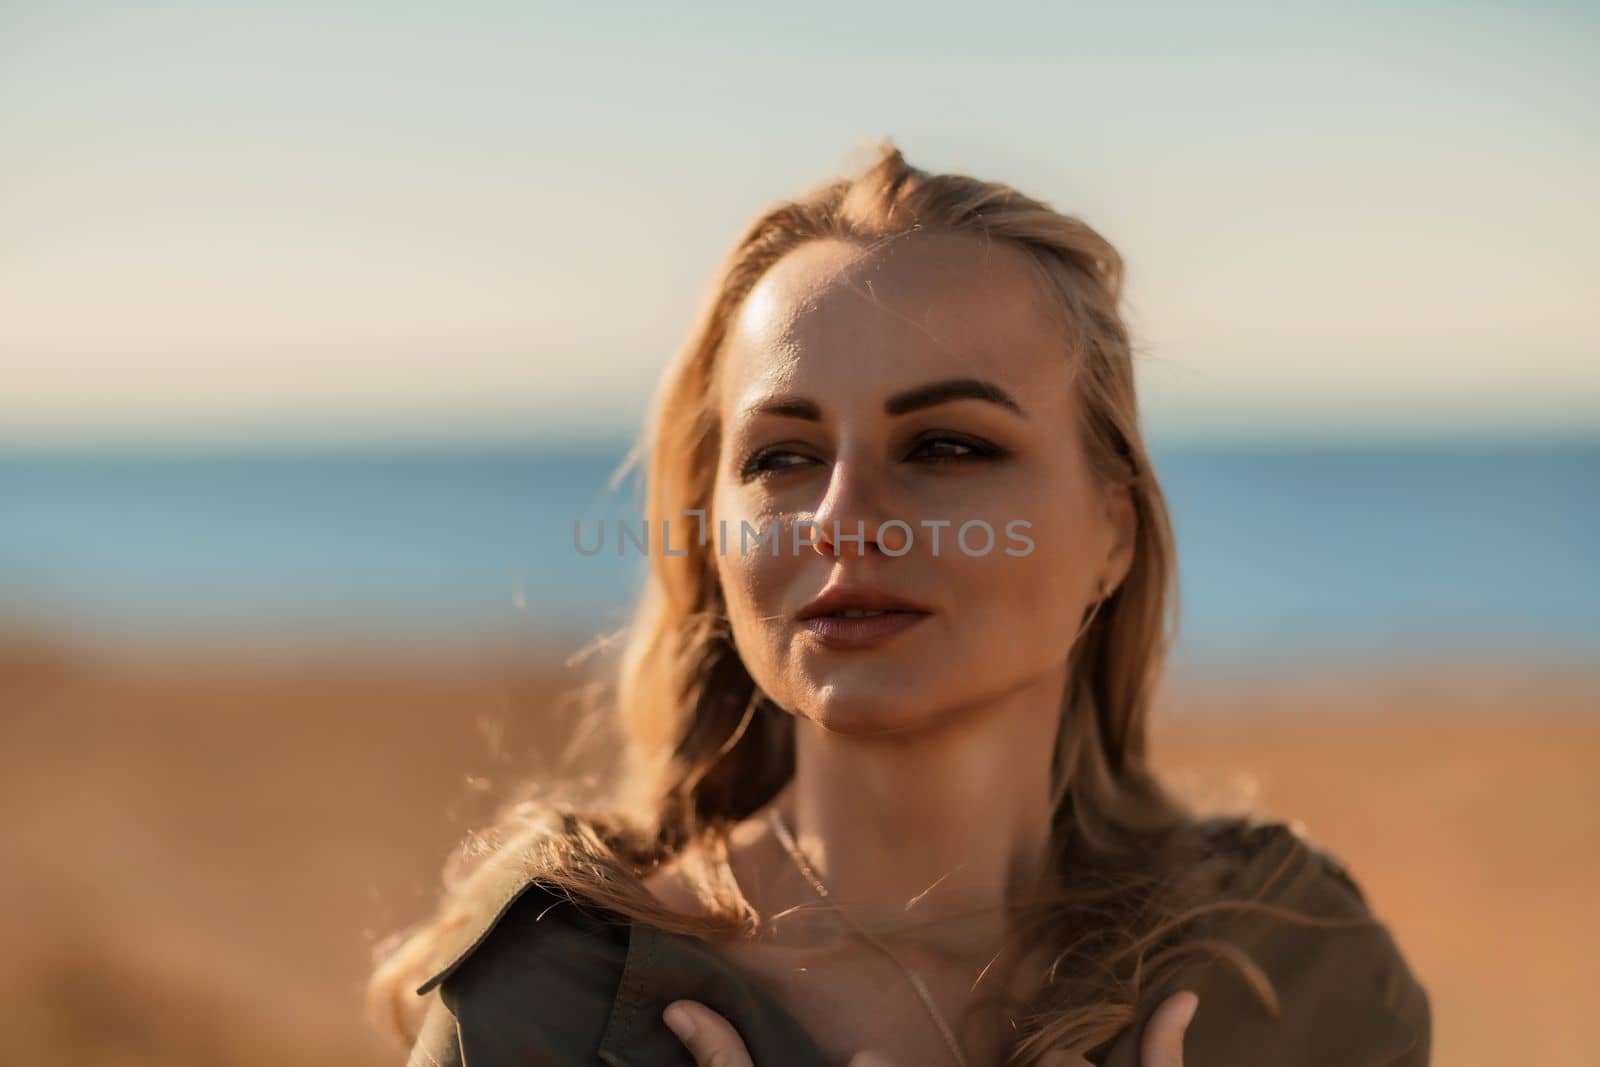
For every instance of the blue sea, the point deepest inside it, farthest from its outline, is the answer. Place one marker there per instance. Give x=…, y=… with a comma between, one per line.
x=1314, y=554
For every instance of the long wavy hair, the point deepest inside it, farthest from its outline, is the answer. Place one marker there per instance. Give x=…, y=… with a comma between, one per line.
x=1135, y=875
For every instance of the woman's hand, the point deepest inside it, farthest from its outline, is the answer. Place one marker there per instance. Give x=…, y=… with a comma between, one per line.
x=713, y=1042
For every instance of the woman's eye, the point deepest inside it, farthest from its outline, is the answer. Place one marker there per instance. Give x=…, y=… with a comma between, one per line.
x=937, y=449
x=944, y=449
x=772, y=459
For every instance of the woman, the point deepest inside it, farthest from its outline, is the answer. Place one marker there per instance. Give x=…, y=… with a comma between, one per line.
x=886, y=794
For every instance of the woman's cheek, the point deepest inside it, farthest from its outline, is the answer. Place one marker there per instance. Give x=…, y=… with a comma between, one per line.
x=753, y=589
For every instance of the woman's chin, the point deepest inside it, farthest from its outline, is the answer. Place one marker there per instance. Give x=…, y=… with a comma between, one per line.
x=865, y=710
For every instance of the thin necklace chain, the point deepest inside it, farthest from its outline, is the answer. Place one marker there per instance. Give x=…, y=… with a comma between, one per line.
x=793, y=848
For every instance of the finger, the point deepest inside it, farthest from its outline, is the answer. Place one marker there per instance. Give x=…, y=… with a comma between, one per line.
x=870, y=1059
x=710, y=1039
x=1161, y=1045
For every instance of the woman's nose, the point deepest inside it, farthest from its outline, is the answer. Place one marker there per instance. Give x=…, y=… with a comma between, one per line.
x=850, y=518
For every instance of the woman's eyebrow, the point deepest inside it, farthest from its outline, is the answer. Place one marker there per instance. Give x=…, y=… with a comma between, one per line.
x=942, y=392
x=786, y=407
x=923, y=396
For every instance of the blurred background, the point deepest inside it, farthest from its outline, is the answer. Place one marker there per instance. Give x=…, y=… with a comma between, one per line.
x=321, y=324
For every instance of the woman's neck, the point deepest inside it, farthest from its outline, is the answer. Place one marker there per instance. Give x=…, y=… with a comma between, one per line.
x=944, y=826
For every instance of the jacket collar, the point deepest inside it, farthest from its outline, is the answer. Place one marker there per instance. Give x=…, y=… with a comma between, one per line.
x=662, y=966
x=658, y=967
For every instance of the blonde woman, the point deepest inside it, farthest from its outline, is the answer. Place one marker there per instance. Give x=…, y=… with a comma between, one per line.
x=885, y=794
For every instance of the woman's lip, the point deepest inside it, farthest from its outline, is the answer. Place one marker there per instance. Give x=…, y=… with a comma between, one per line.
x=836, y=631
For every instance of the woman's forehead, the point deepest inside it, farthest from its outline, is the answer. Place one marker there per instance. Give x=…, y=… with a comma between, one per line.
x=835, y=315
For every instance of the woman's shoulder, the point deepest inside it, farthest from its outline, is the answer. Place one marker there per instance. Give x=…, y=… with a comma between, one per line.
x=529, y=974
x=518, y=920
x=1342, y=990
x=537, y=975
x=1278, y=861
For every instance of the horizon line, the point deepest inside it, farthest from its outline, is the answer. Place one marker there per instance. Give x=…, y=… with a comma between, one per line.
x=290, y=443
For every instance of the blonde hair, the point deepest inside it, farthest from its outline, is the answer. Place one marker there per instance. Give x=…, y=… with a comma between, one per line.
x=705, y=749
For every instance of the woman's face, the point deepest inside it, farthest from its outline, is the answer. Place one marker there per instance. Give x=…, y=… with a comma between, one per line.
x=918, y=384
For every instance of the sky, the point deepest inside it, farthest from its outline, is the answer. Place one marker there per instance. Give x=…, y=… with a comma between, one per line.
x=496, y=220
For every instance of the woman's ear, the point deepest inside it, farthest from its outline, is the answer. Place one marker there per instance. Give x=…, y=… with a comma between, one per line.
x=1123, y=518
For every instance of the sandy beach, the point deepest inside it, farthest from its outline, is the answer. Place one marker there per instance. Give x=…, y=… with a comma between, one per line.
x=202, y=849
